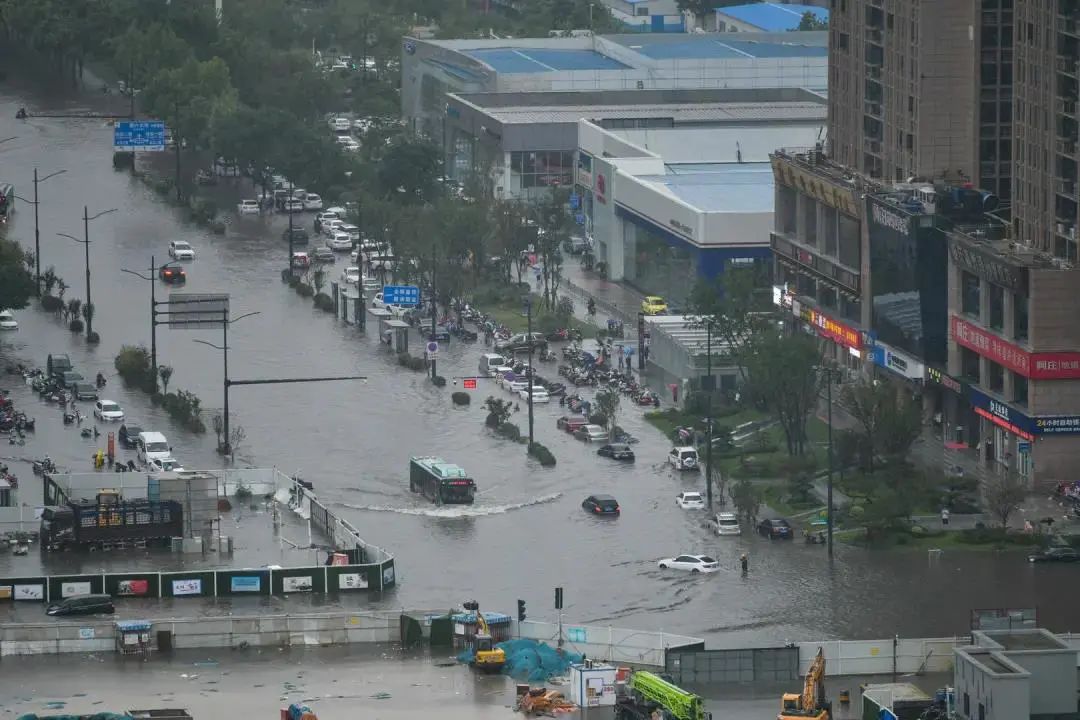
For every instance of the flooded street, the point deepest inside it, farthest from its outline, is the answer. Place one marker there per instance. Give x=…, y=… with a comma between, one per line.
x=526, y=533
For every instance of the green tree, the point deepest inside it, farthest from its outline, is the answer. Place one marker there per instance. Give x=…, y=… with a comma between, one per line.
x=607, y=404
x=191, y=97
x=782, y=374
x=553, y=228
x=409, y=172
x=16, y=282
x=142, y=51
x=747, y=500
x=165, y=372
x=810, y=21
x=499, y=411
x=1003, y=493
x=888, y=422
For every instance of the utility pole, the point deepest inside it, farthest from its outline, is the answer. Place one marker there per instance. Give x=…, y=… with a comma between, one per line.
x=708, y=412
x=131, y=90
x=290, y=268
x=434, y=308
x=153, y=316
x=829, y=484
x=37, y=227
x=529, y=372
x=86, y=244
x=176, y=144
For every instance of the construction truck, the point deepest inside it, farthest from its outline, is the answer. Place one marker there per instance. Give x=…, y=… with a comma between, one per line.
x=812, y=703
x=648, y=697
x=486, y=657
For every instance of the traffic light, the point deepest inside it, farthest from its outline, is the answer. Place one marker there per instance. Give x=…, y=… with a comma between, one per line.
x=558, y=598
x=521, y=610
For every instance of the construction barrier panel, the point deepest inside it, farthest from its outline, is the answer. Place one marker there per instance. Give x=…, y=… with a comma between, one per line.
x=65, y=586
x=298, y=580
x=347, y=578
x=188, y=584
x=133, y=584
x=32, y=588
x=243, y=582
x=779, y=664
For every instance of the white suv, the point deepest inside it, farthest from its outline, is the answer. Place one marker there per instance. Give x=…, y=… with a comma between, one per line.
x=690, y=501
x=684, y=458
x=727, y=524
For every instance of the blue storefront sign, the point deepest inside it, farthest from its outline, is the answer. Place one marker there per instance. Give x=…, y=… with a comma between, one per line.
x=1017, y=422
x=897, y=362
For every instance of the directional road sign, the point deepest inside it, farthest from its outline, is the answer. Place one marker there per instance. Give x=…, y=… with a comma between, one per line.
x=196, y=311
x=139, y=136
x=403, y=295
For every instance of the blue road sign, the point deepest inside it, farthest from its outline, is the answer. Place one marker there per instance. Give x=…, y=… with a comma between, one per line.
x=141, y=136
x=1023, y=447
x=579, y=218
x=575, y=201
x=403, y=295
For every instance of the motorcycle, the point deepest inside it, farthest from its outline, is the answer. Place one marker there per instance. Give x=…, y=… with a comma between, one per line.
x=44, y=466
x=547, y=356
x=557, y=335
x=556, y=389
x=817, y=538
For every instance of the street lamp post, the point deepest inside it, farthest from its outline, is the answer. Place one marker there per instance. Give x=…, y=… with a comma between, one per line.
x=37, y=228
x=226, y=443
x=828, y=371
x=529, y=373
x=86, y=244
x=434, y=307
x=708, y=412
x=153, y=316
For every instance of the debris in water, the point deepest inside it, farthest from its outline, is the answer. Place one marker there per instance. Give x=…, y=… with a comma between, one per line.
x=210, y=662
x=381, y=696
x=55, y=705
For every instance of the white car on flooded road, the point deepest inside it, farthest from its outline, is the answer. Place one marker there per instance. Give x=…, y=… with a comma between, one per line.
x=690, y=501
x=108, y=410
x=690, y=563
x=7, y=320
x=248, y=207
x=181, y=250
x=727, y=523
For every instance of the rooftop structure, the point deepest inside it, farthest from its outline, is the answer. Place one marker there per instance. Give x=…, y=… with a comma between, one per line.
x=765, y=17
x=431, y=69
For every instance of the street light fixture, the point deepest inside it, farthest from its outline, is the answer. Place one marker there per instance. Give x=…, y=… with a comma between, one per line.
x=226, y=444
x=37, y=228
x=86, y=244
x=828, y=372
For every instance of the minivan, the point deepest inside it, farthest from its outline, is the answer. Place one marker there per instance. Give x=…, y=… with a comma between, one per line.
x=153, y=446
x=58, y=364
x=490, y=361
x=82, y=605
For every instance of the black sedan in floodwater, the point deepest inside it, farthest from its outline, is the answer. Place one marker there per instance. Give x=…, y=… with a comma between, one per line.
x=1055, y=554
x=617, y=451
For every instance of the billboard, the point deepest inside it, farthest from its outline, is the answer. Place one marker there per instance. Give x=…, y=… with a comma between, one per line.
x=245, y=583
x=197, y=311
x=192, y=586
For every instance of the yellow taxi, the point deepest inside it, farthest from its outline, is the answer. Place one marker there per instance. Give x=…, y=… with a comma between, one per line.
x=654, y=305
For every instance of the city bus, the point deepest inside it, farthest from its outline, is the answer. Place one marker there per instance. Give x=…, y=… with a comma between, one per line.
x=440, y=482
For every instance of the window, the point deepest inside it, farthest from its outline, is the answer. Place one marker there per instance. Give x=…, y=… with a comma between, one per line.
x=967, y=704
x=1020, y=317
x=989, y=74
x=970, y=293
x=996, y=379
x=969, y=365
x=997, y=307
x=1020, y=389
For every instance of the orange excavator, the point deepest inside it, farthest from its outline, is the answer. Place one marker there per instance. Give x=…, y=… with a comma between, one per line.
x=812, y=703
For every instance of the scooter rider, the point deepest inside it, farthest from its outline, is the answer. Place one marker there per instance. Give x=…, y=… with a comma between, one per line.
x=592, y=306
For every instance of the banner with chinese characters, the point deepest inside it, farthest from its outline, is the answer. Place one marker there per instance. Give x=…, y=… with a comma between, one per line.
x=1037, y=366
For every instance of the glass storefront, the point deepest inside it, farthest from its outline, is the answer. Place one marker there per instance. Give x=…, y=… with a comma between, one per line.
x=657, y=268
x=540, y=170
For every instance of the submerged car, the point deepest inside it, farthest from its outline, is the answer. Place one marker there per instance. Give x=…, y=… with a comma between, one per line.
x=591, y=433
x=571, y=423
x=692, y=563
x=690, y=501
x=601, y=505
x=108, y=410
x=7, y=320
x=727, y=523
x=616, y=451
x=654, y=305
x=1058, y=553
x=172, y=275
x=181, y=250
x=684, y=458
x=775, y=528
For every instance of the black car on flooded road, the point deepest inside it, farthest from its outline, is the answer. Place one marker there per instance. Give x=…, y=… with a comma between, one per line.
x=601, y=505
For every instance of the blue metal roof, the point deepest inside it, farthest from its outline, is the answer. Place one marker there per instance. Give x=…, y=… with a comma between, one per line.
x=773, y=17
x=714, y=49
x=721, y=187
x=539, y=60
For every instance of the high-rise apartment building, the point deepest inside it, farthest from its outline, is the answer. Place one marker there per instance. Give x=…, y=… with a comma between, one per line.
x=1047, y=47
x=922, y=89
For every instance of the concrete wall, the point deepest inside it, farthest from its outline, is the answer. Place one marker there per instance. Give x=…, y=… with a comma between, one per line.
x=876, y=657
x=1003, y=696
x=226, y=632
x=615, y=645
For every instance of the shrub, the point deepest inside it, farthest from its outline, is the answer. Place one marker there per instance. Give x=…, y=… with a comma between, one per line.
x=93, y=338
x=564, y=310
x=418, y=364
x=51, y=303
x=438, y=381
x=510, y=431
x=133, y=365
x=186, y=409
x=76, y=325
x=294, y=280
x=403, y=359
x=324, y=302
x=542, y=454
x=461, y=398
x=304, y=290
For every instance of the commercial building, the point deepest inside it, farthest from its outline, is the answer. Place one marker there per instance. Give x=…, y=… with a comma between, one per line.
x=922, y=90
x=763, y=17
x=1013, y=324
x=672, y=203
x=1015, y=675
x=1047, y=58
x=527, y=141
x=644, y=61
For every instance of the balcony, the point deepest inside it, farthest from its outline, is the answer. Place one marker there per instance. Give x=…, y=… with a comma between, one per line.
x=1066, y=106
x=1064, y=186
x=1067, y=64
x=873, y=35
x=871, y=107
x=1066, y=146
x=1066, y=230
x=872, y=146
x=874, y=72
x=1067, y=25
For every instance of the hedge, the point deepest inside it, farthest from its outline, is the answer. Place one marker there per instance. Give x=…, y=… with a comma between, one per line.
x=541, y=453
x=461, y=398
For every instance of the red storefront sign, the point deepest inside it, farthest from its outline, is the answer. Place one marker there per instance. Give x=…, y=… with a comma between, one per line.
x=1037, y=366
x=835, y=331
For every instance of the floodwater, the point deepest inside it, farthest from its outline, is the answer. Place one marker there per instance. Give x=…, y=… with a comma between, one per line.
x=526, y=534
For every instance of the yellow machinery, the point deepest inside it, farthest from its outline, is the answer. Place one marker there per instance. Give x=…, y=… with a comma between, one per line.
x=811, y=703
x=486, y=657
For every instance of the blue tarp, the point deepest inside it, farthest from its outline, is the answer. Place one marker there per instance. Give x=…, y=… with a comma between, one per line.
x=531, y=660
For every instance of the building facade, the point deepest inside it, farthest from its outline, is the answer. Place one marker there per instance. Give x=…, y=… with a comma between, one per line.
x=903, y=89
x=1047, y=57
x=1014, y=336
